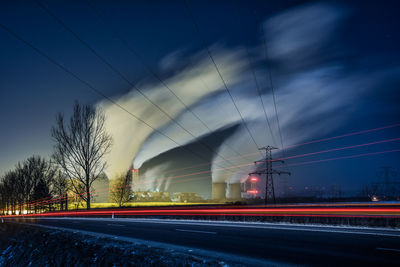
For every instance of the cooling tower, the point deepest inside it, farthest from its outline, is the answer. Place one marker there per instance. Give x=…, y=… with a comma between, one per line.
x=234, y=191
x=218, y=191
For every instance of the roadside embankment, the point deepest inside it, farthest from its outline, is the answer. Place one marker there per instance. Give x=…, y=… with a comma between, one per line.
x=25, y=245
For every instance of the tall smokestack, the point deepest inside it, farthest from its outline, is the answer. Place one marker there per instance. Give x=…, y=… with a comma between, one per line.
x=135, y=178
x=218, y=191
x=234, y=191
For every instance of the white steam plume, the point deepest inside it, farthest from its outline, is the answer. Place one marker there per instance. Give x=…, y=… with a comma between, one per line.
x=312, y=85
x=129, y=134
x=312, y=89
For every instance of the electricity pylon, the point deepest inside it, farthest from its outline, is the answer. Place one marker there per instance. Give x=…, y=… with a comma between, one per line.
x=269, y=172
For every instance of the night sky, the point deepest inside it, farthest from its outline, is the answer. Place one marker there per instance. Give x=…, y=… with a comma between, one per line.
x=365, y=41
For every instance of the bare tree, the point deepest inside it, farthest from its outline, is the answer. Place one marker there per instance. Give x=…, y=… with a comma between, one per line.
x=80, y=147
x=42, y=191
x=9, y=191
x=20, y=186
x=4, y=197
x=33, y=171
x=60, y=188
x=121, y=189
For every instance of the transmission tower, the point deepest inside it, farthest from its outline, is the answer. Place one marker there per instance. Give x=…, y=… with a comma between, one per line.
x=269, y=172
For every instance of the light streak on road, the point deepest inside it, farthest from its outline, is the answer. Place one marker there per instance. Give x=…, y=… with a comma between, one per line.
x=375, y=212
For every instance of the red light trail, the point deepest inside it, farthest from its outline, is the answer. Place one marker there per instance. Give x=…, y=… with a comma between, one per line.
x=217, y=211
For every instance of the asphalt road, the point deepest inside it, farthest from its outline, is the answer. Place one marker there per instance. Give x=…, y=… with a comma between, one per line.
x=306, y=245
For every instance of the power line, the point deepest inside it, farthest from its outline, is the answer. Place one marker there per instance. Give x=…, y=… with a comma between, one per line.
x=284, y=180
x=312, y=153
x=251, y=66
x=49, y=12
x=344, y=157
x=341, y=148
x=259, y=94
x=149, y=69
x=272, y=87
x=292, y=157
x=217, y=69
x=336, y=149
x=346, y=135
x=91, y=87
x=337, y=158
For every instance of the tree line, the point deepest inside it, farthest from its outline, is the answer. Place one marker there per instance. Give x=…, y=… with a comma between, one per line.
x=80, y=145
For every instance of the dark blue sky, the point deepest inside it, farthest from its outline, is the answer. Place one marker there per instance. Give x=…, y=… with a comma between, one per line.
x=33, y=89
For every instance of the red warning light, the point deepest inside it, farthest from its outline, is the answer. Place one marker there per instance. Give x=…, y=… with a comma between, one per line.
x=252, y=191
x=253, y=179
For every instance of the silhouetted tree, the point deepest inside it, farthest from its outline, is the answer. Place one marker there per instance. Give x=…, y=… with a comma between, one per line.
x=33, y=170
x=3, y=198
x=80, y=147
x=41, y=191
x=9, y=191
x=17, y=185
x=60, y=188
x=121, y=189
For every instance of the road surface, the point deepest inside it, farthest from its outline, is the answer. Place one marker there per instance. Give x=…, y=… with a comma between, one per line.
x=308, y=245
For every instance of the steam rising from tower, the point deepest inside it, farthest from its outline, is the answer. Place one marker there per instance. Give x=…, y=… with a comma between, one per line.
x=299, y=40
